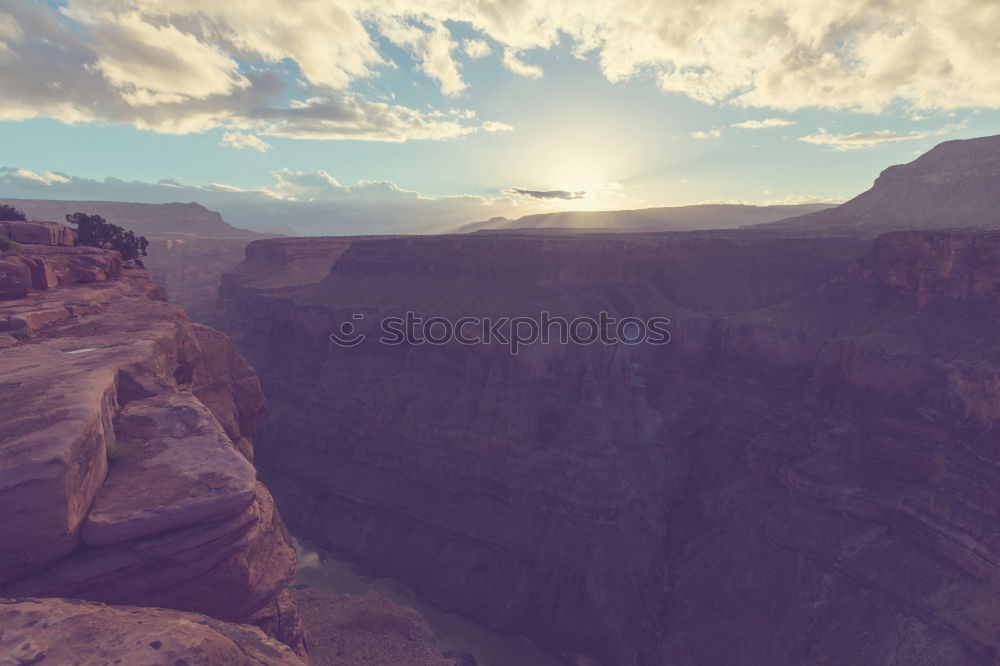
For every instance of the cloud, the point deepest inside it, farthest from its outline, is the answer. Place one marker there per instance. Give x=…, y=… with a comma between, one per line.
x=476, y=48
x=187, y=66
x=863, y=140
x=543, y=194
x=706, y=134
x=183, y=72
x=430, y=44
x=763, y=124
x=494, y=126
x=47, y=178
x=310, y=202
x=514, y=63
x=240, y=140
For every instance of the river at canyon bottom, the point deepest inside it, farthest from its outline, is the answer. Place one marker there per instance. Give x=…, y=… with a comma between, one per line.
x=325, y=572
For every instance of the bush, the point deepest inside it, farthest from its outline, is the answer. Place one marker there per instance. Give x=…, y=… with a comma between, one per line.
x=7, y=246
x=11, y=214
x=95, y=231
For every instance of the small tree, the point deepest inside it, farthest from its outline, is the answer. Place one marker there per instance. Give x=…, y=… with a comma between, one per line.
x=95, y=231
x=11, y=214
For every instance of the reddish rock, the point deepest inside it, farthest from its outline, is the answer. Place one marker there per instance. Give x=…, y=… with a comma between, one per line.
x=128, y=489
x=38, y=233
x=365, y=630
x=42, y=275
x=15, y=278
x=62, y=631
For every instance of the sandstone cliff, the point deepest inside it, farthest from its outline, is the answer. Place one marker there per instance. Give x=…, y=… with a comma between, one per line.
x=955, y=184
x=126, y=458
x=806, y=474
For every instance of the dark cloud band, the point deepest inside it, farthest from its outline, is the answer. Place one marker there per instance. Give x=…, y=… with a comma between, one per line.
x=544, y=194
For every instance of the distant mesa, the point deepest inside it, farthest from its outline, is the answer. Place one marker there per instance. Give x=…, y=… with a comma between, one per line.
x=142, y=218
x=668, y=218
x=955, y=184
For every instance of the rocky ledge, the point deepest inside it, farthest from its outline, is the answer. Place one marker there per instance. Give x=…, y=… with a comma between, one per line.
x=126, y=468
x=66, y=631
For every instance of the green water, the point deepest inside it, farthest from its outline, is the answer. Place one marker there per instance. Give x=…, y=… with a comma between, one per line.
x=321, y=570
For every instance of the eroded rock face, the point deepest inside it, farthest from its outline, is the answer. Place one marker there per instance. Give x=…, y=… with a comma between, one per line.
x=189, y=267
x=125, y=453
x=368, y=629
x=955, y=184
x=62, y=631
x=806, y=474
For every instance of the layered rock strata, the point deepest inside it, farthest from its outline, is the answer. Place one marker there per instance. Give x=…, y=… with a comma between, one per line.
x=63, y=631
x=805, y=474
x=126, y=449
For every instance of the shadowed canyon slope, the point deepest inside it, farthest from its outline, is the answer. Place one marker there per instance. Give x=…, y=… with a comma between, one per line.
x=668, y=218
x=955, y=184
x=805, y=474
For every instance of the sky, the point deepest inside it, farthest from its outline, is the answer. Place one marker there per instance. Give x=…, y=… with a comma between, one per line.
x=334, y=116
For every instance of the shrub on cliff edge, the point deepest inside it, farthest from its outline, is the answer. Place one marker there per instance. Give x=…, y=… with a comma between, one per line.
x=11, y=214
x=95, y=231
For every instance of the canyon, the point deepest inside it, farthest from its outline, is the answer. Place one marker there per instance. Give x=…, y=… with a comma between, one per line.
x=136, y=528
x=804, y=474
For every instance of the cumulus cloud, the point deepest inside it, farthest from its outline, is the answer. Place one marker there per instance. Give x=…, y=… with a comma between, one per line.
x=476, y=48
x=764, y=124
x=513, y=62
x=544, y=194
x=706, y=134
x=241, y=140
x=309, y=202
x=184, y=70
x=188, y=66
x=494, y=126
x=862, y=140
x=430, y=44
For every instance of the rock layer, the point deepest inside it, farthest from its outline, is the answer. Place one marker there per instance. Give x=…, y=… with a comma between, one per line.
x=952, y=185
x=125, y=452
x=806, y=474
x=61, y=631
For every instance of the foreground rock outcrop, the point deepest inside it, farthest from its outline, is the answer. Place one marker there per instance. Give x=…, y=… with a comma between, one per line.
x=366, y=630
x=61, y=631
x=126, y=448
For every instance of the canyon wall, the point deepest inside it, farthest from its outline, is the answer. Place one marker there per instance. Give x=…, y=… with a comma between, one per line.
x=190, y=266
x=126, y=466
x=802, y=475
x=805, y=474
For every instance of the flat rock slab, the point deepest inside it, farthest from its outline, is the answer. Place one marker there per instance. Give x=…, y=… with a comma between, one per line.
x=173, y=466
x=63, y=631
